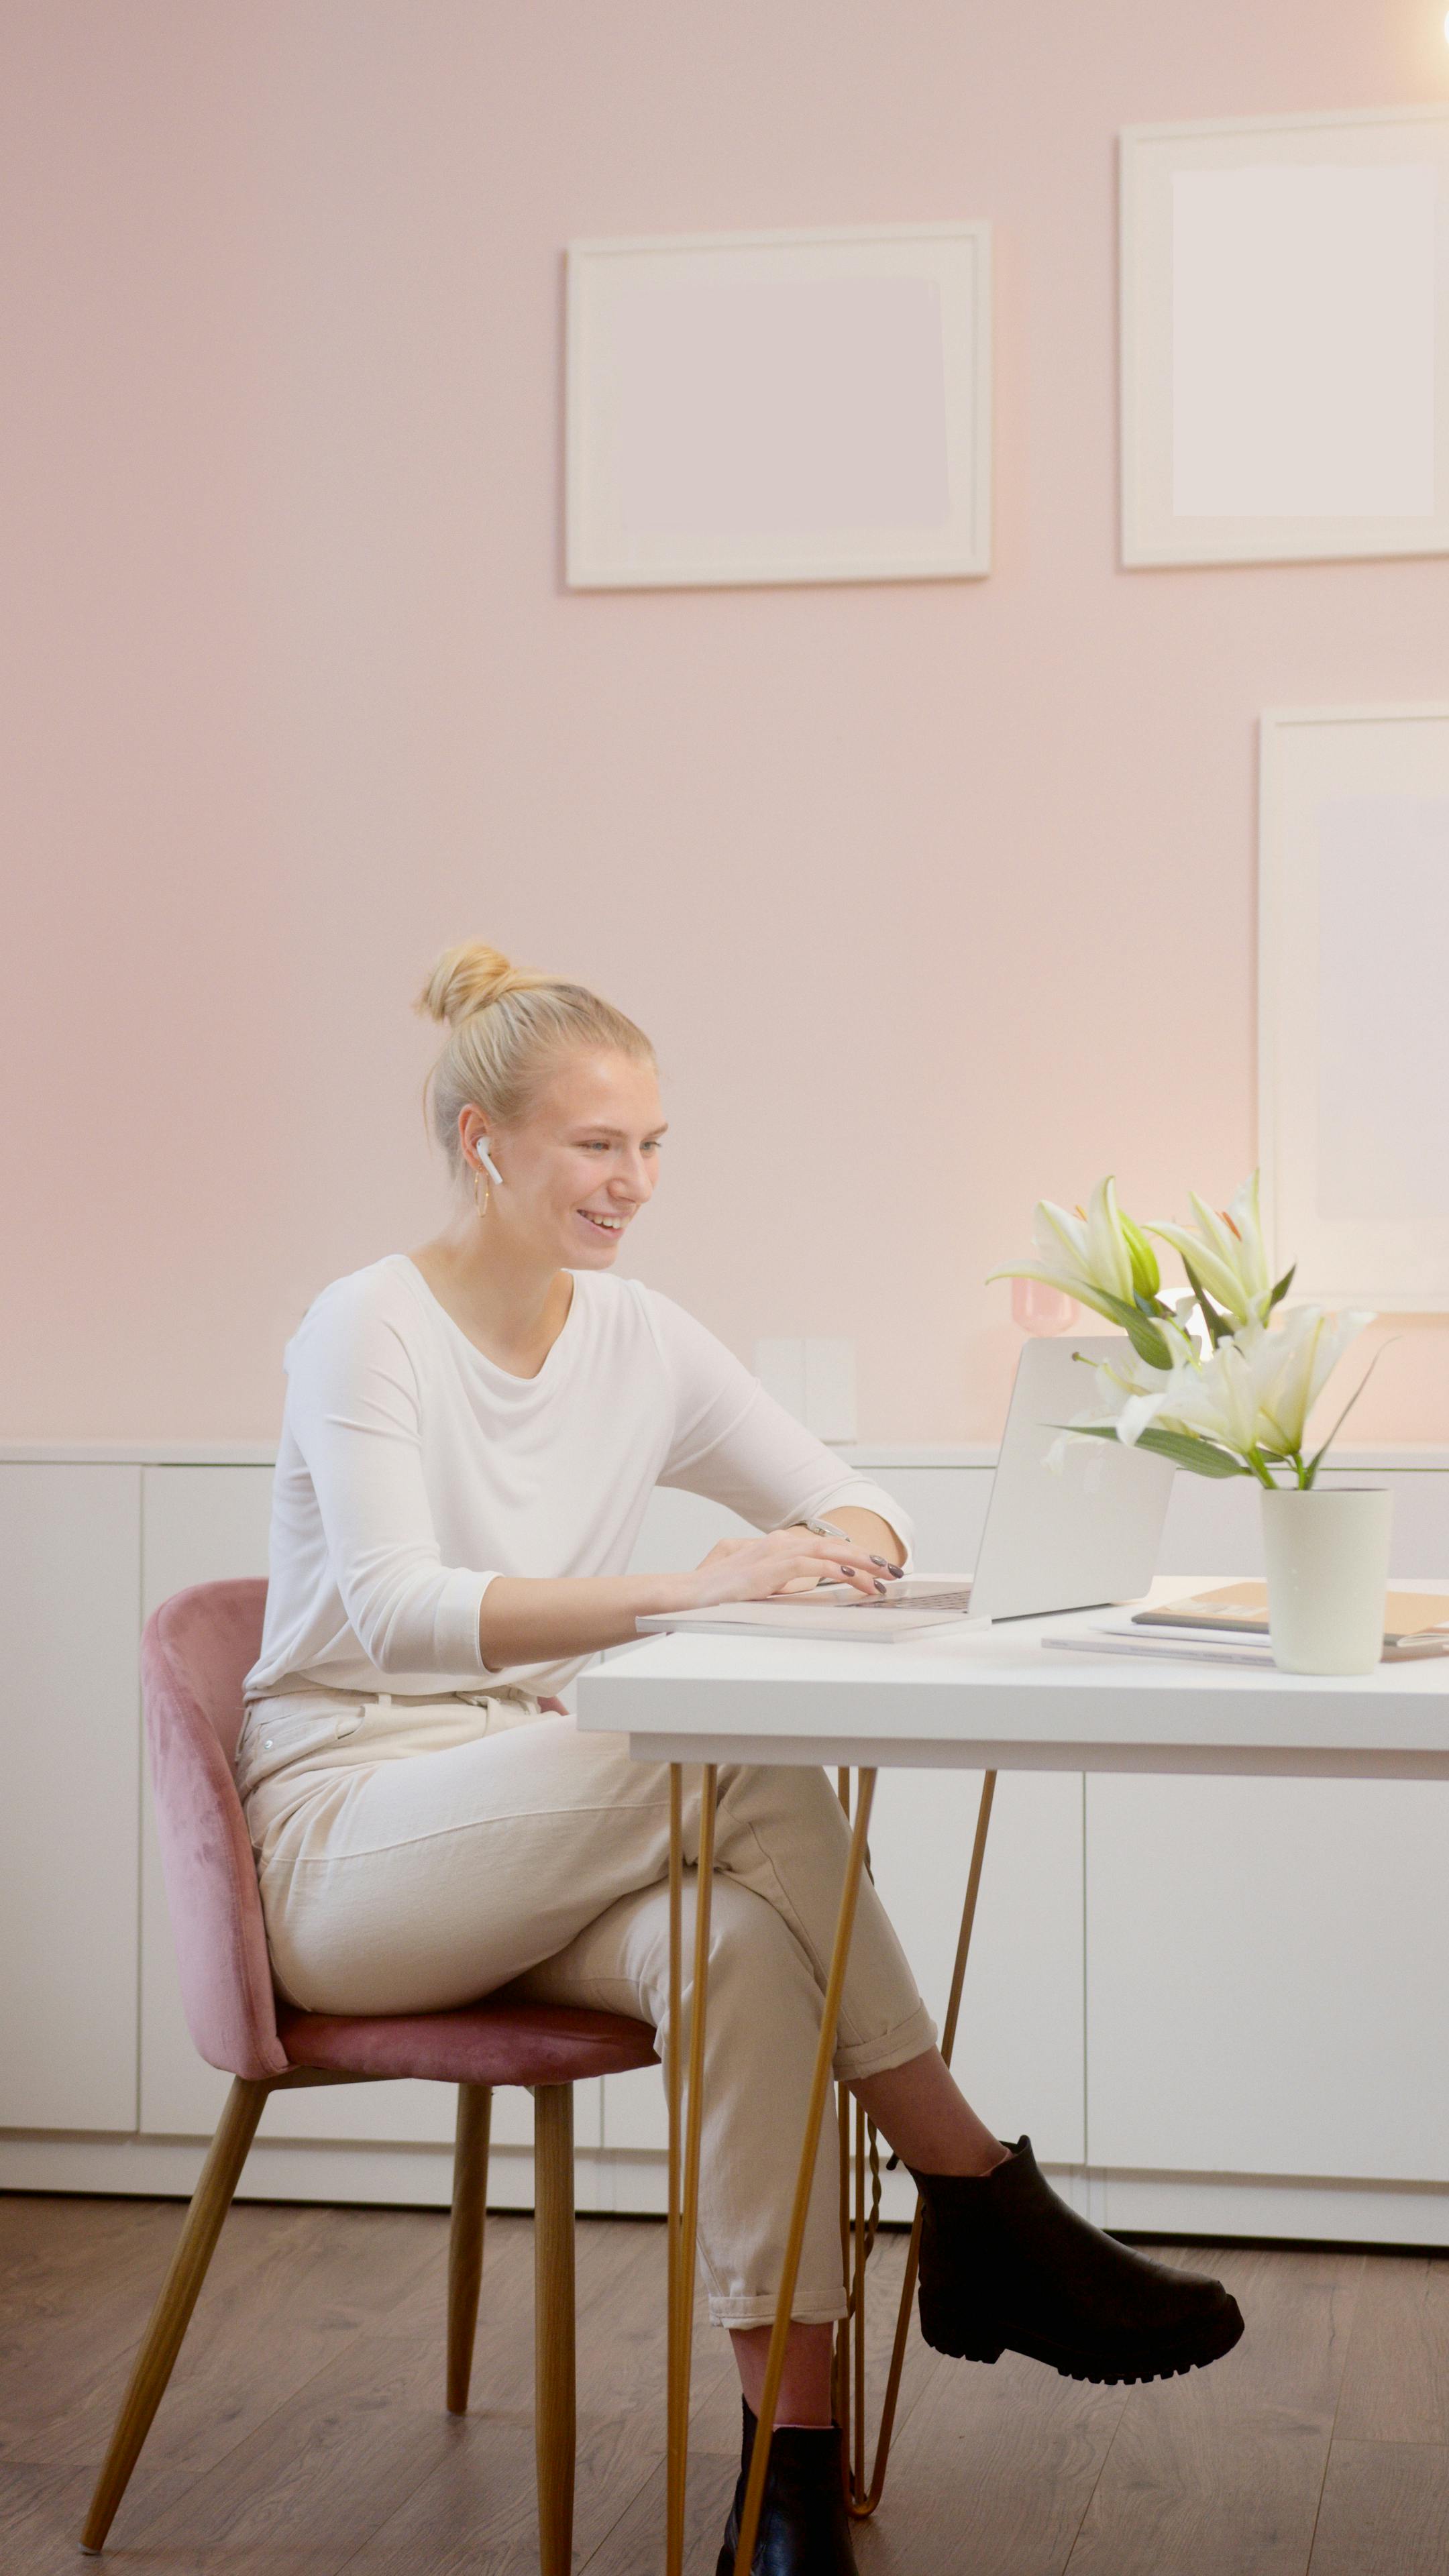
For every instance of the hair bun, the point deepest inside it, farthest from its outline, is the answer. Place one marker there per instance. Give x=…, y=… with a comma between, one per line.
x=467, y=978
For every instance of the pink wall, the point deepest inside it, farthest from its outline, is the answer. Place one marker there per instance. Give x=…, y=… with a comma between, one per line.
x=935, y=897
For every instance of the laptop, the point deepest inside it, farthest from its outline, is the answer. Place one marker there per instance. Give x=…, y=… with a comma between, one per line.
x=1077, y=1539
x=1081, y=1538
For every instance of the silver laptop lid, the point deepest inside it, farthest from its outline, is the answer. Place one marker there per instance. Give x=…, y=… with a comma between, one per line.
x=1089, y=1534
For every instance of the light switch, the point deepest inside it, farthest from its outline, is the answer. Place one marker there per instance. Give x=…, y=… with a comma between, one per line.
x=830, y=1389
x=814, y=1379
x=780, y=1368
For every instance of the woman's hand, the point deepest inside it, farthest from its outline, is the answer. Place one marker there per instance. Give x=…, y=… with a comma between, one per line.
x=785, y=1560
x=530, y=1619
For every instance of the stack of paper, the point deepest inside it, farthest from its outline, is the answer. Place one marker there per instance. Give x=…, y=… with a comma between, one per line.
x=1229, y=1625
x=1415, y=1623
x=1103, y=1639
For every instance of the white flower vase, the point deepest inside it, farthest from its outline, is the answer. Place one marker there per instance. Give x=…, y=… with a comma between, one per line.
x=1327, y=1558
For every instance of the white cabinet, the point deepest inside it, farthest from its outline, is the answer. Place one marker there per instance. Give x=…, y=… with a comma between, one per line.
x=69, y=1548
x=202, y=1525
x=1180, y=1978
x=948, y=1506
x=1268, y=1977
x=1266, y=1959
x=1019, y=2050
x=1215, y=1528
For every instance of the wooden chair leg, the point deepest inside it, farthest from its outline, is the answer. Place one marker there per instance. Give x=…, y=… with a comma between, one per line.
x=172, y=2313
x=553, y=2323
x=465, y=2240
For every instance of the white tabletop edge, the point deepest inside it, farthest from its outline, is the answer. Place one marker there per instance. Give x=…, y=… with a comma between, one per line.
x=974, y=1697
x=984, y=1753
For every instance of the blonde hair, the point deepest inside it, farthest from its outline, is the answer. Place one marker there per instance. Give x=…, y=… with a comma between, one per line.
x=507, y=1029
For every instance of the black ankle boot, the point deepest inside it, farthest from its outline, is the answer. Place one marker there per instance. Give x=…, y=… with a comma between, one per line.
x=804, y=2527
x=1006, y=2265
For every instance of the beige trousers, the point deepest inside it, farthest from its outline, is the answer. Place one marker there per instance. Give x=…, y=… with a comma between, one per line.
x=414, y=1856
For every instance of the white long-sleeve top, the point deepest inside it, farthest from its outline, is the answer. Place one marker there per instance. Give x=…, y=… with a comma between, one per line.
x=413, y=1470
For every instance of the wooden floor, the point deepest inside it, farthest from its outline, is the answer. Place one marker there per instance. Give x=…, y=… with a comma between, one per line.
x=304, y=2429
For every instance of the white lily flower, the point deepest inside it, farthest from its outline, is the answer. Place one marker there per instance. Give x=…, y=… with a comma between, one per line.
x=1227, y=1253
x=1295, y=1365
x=1087, y=1255
x=1219, y=1398
x=1141, y=1389
x=1256, y=1391
x=1246, y=1397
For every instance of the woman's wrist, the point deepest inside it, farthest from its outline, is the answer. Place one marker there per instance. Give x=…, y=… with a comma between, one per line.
x=666, y=1592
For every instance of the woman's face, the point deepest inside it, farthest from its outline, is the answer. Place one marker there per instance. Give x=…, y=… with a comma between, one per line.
x=579, y=1168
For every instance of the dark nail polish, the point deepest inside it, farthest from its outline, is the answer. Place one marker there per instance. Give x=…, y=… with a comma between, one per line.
x=881, y=1561
x=848, y=1571
x=881, y=1587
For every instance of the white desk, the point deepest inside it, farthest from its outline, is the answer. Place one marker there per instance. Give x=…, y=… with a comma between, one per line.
x=994, y=1698
x=988, y=1698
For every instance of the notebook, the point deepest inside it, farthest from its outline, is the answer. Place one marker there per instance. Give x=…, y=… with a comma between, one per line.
x=1415, y=1623
x=916, y=1602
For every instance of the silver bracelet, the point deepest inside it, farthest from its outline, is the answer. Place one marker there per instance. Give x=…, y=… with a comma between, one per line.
x=825, y=1529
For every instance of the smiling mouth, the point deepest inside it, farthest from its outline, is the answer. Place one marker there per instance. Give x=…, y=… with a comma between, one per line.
x=602, y=1224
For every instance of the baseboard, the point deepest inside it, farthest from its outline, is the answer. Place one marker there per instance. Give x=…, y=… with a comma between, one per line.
x=1282, y=2209
x=632, y=2183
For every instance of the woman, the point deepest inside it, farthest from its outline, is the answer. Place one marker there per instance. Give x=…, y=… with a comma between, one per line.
x=472, y=1432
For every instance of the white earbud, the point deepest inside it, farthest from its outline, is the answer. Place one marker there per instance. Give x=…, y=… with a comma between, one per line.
x=486, y=1159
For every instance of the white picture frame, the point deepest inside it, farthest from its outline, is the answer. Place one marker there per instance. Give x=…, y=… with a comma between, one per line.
x=1284, y=319
x=1353, y=1053
x=799, y=406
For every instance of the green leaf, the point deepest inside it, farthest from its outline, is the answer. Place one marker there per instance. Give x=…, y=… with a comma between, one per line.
x=1140, y=1330
x=1148, y=1343
x=1217, y=1324
x=1309, y=1473
x=1284, y=1284
x=1203, y=1457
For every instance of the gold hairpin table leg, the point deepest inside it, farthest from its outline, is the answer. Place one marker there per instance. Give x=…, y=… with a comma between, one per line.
x=862, y=2500
x=840, y=2371
x=814, y=2122
x=684, y=2185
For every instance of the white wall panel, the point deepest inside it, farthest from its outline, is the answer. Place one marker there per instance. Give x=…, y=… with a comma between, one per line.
x=69, y=1548
x=1266, y=1989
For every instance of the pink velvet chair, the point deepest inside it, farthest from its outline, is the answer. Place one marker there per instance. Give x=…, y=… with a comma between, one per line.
x=195, y=1654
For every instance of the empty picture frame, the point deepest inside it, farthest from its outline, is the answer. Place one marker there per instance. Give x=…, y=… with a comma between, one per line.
x=773, y=407
x=1353, y=1065
x=1285, y=338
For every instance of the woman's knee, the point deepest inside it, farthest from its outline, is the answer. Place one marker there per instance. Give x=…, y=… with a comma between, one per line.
x=751, y=1944
x=797, y=1797
x=754, y=1957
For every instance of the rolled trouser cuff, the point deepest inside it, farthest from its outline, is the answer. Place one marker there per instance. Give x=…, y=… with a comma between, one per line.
x=909, y=2038
x=742, y=2313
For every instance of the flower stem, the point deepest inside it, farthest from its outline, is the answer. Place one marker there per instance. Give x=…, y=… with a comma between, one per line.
x=1259, y=1466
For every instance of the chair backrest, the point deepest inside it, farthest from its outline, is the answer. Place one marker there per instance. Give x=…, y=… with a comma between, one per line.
x=195, y=1654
